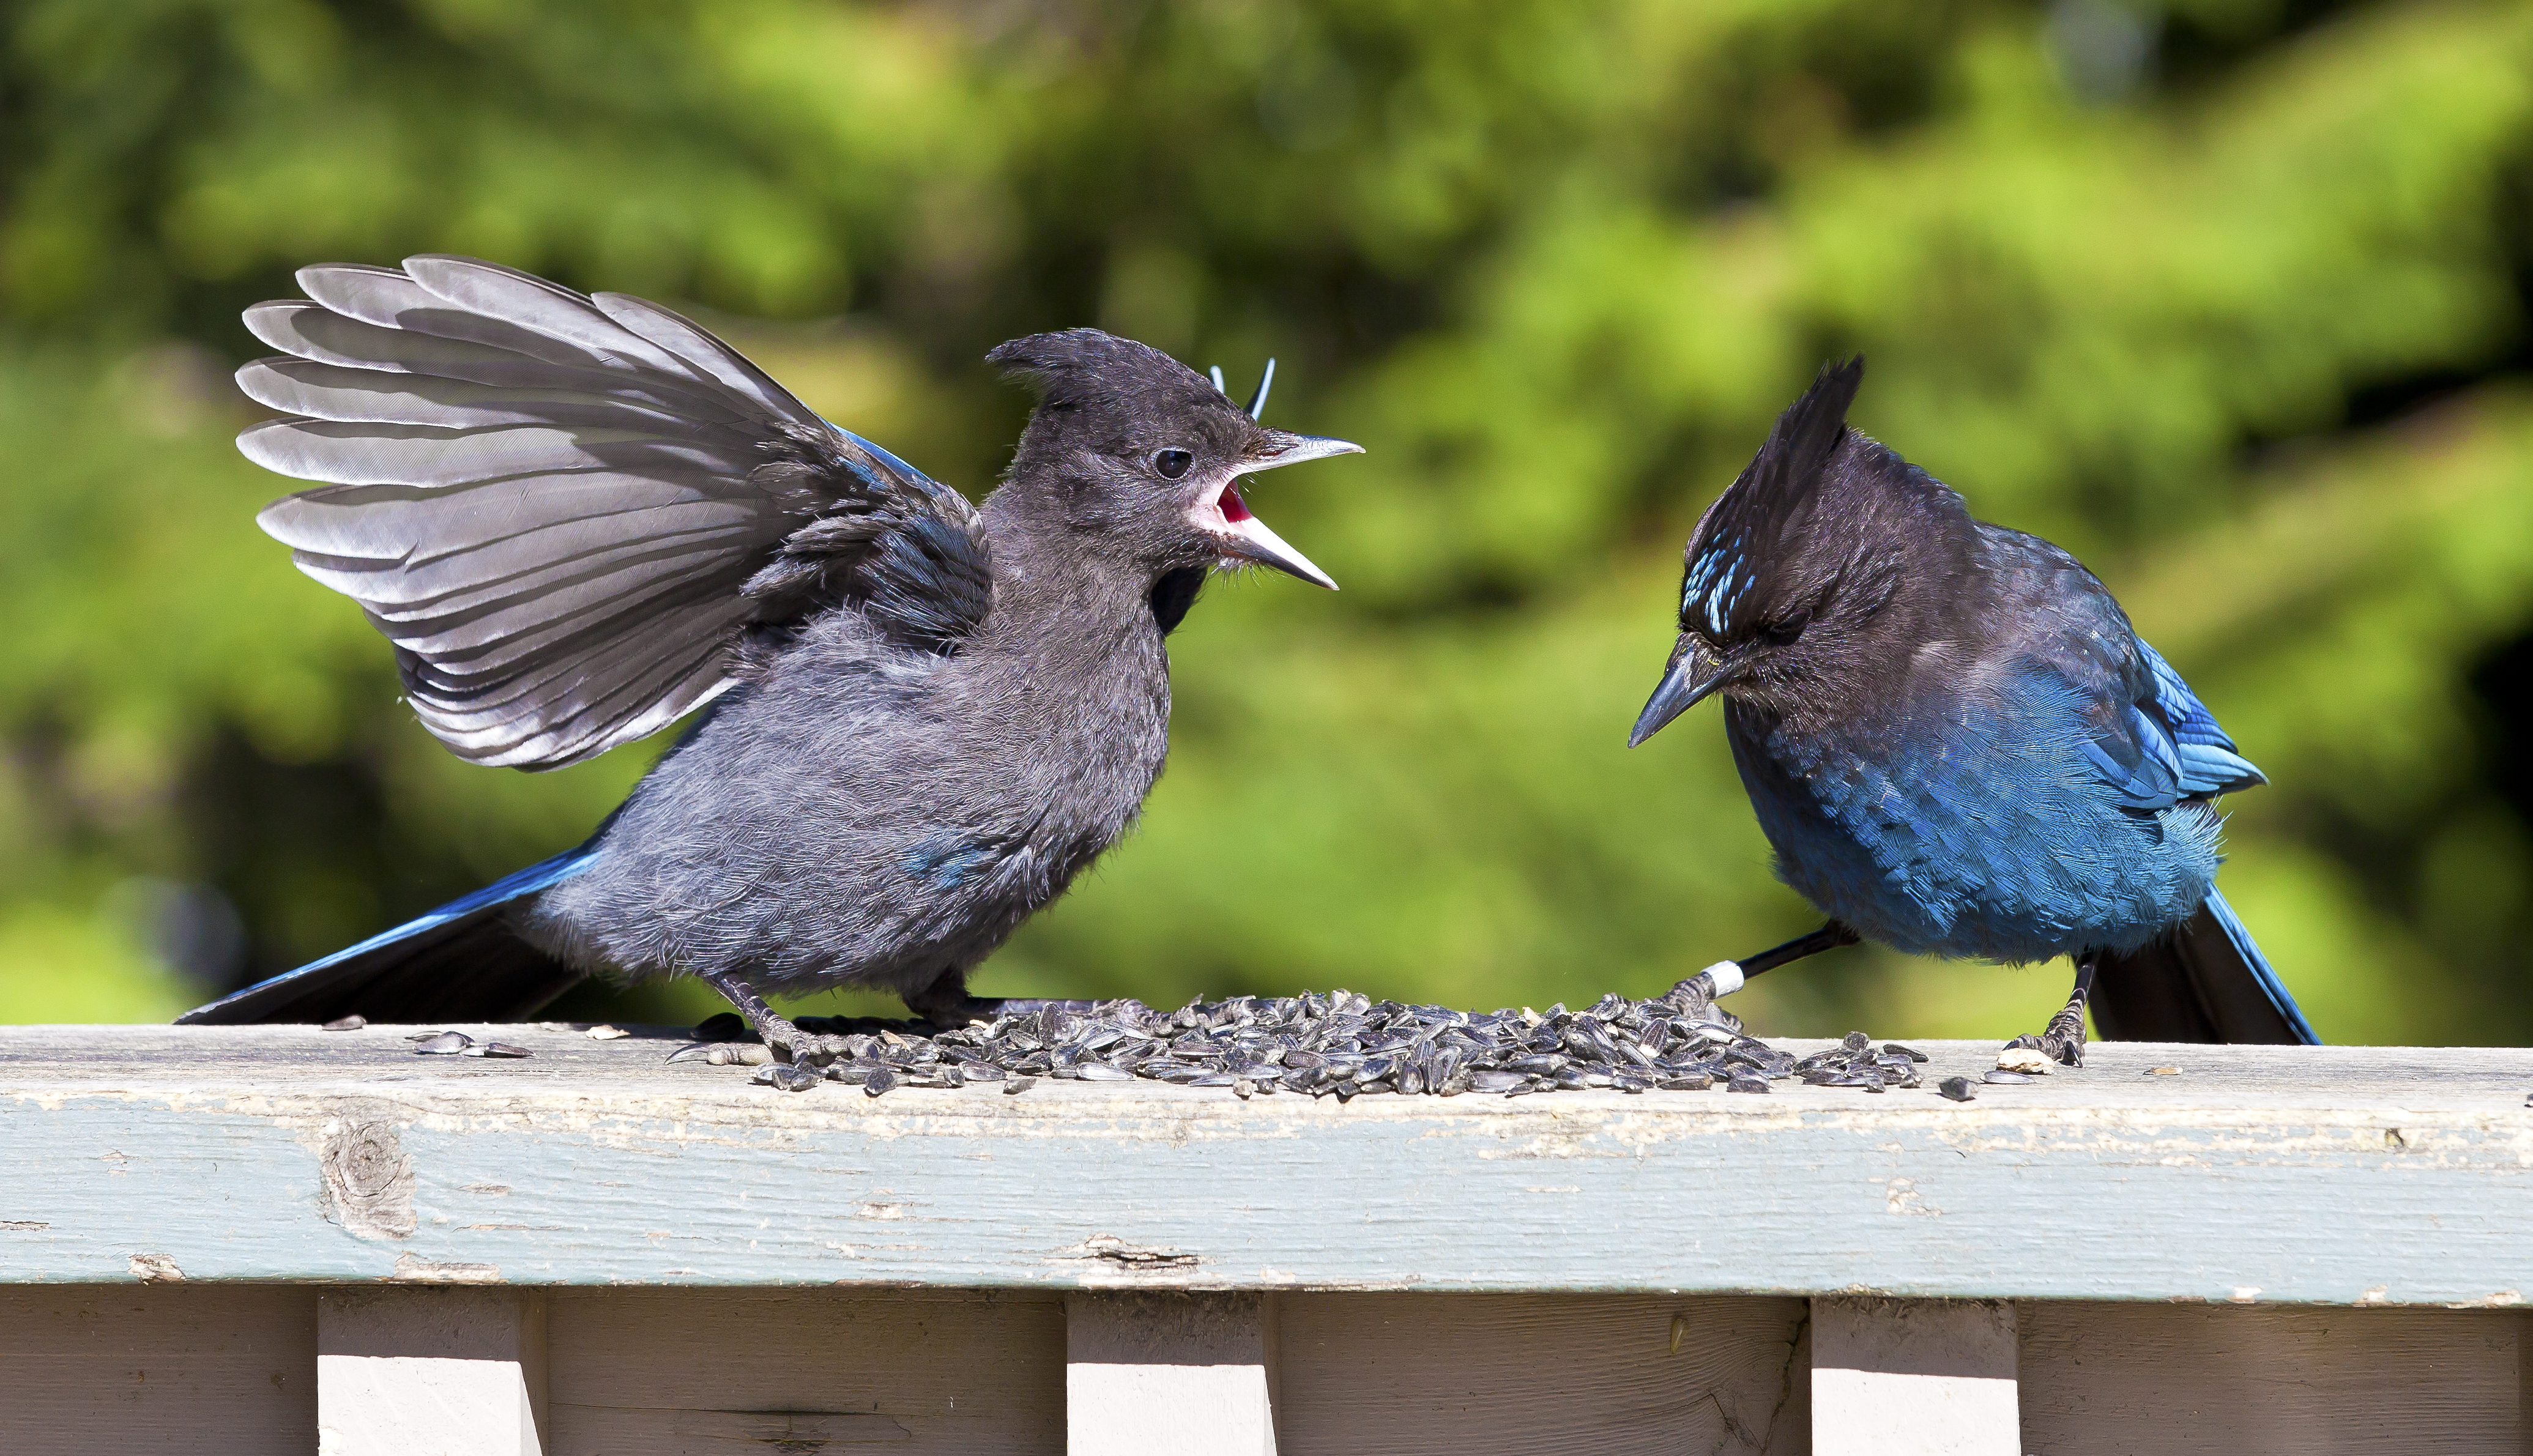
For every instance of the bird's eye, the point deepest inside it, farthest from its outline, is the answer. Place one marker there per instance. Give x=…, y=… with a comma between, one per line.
x=1172, y=463
x=1781, y=633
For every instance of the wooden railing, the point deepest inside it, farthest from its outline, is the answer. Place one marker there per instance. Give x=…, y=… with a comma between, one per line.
x=277, y=1238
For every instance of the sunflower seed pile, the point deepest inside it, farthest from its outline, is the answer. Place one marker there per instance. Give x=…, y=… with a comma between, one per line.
x=1340, y=1044
x=1857, y=1062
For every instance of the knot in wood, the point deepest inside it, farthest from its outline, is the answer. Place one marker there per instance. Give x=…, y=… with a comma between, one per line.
x=369, y=1180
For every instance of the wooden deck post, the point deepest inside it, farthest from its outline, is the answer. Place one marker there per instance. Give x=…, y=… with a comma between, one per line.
x=1914, y=1378
x=1169, y=1374
x=421, y=1372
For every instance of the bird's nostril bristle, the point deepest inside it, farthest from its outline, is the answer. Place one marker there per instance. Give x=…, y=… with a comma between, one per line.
x=1234, y=509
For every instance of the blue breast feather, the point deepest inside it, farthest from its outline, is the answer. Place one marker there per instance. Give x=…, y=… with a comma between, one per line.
x=2039, y=819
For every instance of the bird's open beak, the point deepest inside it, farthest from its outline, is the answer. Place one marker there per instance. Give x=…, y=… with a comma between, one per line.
x=1243, y=535
x=1688, y=678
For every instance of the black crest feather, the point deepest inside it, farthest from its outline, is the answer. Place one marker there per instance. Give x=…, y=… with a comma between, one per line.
x=1766, y=507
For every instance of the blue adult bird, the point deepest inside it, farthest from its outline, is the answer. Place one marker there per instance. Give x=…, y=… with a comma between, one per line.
x=1956, y=744
x=581, y=518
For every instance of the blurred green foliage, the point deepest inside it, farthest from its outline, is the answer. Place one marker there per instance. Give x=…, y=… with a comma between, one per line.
x=2227, y=296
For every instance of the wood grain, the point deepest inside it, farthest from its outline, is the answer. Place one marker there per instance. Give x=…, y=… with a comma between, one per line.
x=286, y=1153
x=157, y=1368
x=2194, y=1380
x=176, y=1367
x=1408, y=1375
x=716, y=1372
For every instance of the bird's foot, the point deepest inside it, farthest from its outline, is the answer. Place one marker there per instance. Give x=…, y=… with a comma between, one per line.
x=947, y=1005
x=1696, y=996
x=2063, y=1040
x=799, y=1057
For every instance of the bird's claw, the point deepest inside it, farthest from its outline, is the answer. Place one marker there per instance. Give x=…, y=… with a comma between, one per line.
x=725, y=1053
x=2057, y=1044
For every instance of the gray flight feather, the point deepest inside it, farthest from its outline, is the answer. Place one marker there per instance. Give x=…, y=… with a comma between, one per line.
x=564, y=510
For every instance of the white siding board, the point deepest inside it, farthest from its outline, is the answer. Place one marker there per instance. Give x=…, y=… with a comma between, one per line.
x=1914, y=1378
x=430, y=1371
x=1169, y=1374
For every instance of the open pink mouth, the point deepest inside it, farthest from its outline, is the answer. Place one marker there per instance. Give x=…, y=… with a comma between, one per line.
x=1240, y=536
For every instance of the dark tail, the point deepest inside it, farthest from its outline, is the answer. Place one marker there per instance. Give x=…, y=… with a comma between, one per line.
x=461, y=962
x=2206, y=981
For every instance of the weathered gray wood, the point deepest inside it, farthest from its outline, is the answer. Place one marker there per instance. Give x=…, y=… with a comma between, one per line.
x=263, y=1153
x=420, y=1371
x=1460, y=1374
x=1914, y=1378
x=157, y=1368
x=720, y=1372
x=1169, y=1374
x=700, y=1371
x=2213, y=1381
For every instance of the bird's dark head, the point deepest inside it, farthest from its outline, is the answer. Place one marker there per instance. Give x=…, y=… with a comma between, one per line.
x=1809, y=578
x=1146, y=454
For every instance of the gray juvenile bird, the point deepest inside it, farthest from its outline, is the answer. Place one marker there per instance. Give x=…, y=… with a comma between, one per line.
x=578, y=519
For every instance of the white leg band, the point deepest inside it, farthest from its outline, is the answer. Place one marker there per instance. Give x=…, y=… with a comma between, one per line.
x=1727, y=976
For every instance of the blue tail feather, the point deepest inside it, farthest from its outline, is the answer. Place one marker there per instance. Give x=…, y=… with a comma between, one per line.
x=459, y=961
x=517, y=885
x=2271, y=987
x=2206, y=981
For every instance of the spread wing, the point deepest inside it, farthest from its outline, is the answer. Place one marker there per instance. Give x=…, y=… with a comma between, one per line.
x=568, y=512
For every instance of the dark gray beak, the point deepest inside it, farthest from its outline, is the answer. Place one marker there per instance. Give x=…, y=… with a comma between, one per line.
x=1692, y=674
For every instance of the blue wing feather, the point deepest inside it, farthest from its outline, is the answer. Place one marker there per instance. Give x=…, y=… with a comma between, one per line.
x=2203, y=758
x=2166, y=745
x=2147, y=784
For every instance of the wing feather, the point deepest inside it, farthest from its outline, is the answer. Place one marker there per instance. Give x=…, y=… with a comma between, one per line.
x=360, y=452
x=313, y=332
x=488, y=290
x=564, y=511
x=706, y=354
x=2203, y=758
x=327, y=392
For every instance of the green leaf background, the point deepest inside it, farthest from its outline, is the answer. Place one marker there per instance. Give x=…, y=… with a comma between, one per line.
x=2227, y=296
